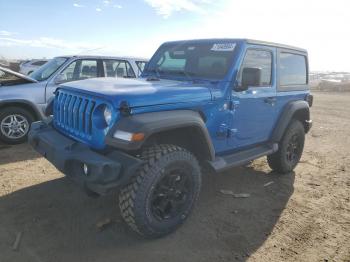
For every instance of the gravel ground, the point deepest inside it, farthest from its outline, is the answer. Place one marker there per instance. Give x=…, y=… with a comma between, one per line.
x=302, y=216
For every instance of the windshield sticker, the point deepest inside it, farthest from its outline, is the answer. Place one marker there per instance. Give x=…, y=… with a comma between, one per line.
x=223, y=47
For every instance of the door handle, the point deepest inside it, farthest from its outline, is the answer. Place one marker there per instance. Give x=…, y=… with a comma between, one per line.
x=270, y=100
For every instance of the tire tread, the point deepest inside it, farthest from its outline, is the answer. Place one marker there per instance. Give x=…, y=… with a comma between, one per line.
x=276, y=160
x=127, y=197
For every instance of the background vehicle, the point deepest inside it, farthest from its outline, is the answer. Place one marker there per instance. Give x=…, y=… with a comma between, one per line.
x=23, y=98
x=4, y=62
x=30, y=66
x=213, y=103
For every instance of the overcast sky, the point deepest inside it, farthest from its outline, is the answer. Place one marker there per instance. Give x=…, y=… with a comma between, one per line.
x=42, y=28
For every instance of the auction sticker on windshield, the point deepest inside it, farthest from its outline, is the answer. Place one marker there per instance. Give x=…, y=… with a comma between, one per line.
x=224, y=47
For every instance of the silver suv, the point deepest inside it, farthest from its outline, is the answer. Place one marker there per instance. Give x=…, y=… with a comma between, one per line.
x=23, y=98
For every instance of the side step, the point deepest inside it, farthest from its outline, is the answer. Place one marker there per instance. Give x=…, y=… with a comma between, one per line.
x=222, y=163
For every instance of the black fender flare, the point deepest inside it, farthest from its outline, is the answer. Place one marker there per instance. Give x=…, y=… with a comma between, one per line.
x=24, y=103
x=290, y=110
x=156, y=122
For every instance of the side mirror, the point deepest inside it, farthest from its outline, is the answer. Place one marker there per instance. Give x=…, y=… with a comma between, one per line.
x=251, y=76
x=61, y=78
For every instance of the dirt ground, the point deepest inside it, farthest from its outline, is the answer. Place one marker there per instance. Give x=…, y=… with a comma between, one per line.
x=303, y=216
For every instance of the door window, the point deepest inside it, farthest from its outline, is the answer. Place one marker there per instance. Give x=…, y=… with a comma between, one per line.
x=118, y=68
x=79, y=70
x=262, y=59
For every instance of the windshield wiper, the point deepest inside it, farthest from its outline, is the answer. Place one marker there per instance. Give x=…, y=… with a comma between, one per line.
x=188, y=75
x=152, y=78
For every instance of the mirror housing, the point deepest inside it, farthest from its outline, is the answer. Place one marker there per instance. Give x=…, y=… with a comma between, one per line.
x=60, y=79
x=251, y=76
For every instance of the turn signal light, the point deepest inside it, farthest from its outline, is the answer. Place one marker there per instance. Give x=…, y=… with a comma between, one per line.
x=137, y=137
x=127, y=136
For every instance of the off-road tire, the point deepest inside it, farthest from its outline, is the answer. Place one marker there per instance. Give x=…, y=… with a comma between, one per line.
x=135, y=199
x=280, y=161
x=15, y=111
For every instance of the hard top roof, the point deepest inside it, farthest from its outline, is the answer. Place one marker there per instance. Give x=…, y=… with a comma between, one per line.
x=242, y=40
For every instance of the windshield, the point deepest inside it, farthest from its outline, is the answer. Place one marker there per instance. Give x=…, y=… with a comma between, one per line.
x=192, y=60
x=48, y=69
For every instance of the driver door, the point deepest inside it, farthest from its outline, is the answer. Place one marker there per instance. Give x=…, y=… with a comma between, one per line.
x=253, y=110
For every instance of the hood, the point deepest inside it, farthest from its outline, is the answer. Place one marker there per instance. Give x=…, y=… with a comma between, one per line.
x=9, y=71
x=140, y=92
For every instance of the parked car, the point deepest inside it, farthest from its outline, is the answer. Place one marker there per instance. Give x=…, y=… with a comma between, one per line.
x=4, y=62
x=215, y=103
x=30, y=66
x=23, y=98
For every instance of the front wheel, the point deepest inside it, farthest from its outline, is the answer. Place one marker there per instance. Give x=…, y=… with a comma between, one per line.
x=290, y=149
x=162, y=194
x=14, y=125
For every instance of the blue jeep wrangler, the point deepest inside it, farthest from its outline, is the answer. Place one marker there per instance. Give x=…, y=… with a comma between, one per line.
x=215, y=103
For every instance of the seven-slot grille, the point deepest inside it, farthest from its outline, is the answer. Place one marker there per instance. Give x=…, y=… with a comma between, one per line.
x=73, y=113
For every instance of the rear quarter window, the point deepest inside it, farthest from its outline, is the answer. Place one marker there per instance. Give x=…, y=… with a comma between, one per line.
x=293, y=69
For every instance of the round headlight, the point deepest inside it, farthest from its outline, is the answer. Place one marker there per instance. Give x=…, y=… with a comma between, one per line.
x=107, y=113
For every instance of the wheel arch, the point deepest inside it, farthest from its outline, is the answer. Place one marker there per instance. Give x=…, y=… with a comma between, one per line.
x=185, y=128
x=298, y=110
x=190, y=137
x=30, y=107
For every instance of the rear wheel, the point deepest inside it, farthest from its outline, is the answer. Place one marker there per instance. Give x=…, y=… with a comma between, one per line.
x=163, y=192
x=290, y=149
x=14, y=125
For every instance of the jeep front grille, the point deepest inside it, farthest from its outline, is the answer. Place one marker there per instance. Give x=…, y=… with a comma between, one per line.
x=73, y=114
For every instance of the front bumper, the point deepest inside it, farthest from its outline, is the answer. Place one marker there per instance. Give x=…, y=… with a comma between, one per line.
x=308, y=125
x=105, y=172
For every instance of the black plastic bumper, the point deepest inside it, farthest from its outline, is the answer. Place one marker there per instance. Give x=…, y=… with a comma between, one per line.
x=104, y=172
x=308, y=125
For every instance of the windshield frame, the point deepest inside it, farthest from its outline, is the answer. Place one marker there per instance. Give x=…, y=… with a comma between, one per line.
x=153, y=70
x=35, y=75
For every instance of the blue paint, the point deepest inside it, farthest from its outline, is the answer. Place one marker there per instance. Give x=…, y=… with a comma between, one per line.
x=234, y=119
